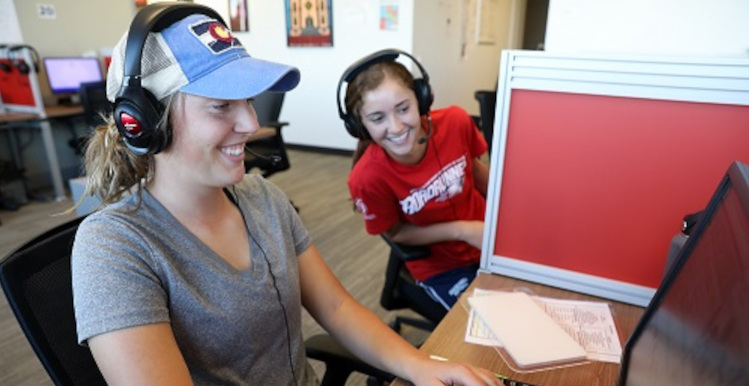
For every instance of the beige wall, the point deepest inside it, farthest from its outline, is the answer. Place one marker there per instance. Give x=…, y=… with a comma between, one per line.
x=446, y=44
x=80, y=26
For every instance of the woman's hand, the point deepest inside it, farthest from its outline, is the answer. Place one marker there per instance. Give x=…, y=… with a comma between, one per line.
x=433, y=372
x=472, y=232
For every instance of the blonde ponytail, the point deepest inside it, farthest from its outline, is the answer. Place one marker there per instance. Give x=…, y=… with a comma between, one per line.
x=112, y=170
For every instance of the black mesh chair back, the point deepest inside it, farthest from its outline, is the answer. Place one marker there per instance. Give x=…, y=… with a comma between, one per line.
x=268, y=107
x=36, y=279
x=271, y=148
x=487, y=106
x=95, y=103
x=401, y=291
x=93, y=96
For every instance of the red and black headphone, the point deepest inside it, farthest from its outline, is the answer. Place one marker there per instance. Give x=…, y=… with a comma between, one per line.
x=421, y=87
x=136, y=111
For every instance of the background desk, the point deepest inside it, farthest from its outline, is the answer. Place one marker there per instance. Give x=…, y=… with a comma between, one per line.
x=7, y=120
x=447, y=339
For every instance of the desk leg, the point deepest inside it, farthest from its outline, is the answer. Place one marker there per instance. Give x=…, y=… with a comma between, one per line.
x=52, y=160
x=14, y=150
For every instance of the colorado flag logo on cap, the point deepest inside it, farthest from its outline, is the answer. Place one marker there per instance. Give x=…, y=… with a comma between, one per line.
x=215, y=36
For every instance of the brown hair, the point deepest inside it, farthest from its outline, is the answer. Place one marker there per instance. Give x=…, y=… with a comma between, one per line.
x=368, y=80
x=112, y=170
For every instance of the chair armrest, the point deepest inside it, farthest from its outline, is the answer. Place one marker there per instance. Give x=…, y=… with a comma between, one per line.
x=480, y=94
x=275, y=124
x=262, y=133
x=476, y=120
x=408, y=252
x=339, y=362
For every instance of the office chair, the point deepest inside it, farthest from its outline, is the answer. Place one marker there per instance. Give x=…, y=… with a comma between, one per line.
x=402, y=292
x=487, y=106
x=37, y=283
x=339, y=363
x=36, y=280
x=266, y=149
x=95, y=103
x=94, y=100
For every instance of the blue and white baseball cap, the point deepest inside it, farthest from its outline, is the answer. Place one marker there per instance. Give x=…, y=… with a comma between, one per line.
x=199, y=55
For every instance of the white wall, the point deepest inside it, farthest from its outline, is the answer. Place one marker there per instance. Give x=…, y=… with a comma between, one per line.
x=432, y=34
x=10, y=31
x=659, y=27
x=445, y=44
x=311, y=107
x=79, y=27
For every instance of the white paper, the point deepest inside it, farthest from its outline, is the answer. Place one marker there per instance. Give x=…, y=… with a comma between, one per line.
x=591, y=324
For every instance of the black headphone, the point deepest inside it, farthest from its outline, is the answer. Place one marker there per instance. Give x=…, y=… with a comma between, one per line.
x=18, y=60
x=136, y=111
x=421, y=87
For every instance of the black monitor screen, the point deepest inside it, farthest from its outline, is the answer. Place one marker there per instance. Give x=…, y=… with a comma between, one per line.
x=65, y=75
x=696, y=329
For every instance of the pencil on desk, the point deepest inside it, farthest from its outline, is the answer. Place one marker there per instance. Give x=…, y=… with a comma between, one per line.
x=505, y=380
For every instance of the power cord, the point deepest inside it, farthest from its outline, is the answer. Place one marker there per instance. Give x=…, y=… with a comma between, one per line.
x=275, y=286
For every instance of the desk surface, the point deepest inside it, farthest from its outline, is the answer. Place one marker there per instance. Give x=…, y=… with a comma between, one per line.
x=447, y=339
x=7, y=121
x=50, y=112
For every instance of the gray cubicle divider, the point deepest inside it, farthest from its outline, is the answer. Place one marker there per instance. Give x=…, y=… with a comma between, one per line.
x=598, y=158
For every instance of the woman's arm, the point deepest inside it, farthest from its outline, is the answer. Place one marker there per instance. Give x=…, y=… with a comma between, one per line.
x=367, y=337
x=480, y=176
x=470, y=231
x=141, y=355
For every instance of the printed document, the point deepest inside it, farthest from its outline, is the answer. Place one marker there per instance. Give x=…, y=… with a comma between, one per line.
x=591, y=324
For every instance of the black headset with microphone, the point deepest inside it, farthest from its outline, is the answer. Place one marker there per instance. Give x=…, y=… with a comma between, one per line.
x=421, y=87
x=15, y=55
x=136, y=111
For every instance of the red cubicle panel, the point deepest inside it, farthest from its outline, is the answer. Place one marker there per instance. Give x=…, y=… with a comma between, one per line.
x=15, y=87
x=599, y=184
x=599, y=157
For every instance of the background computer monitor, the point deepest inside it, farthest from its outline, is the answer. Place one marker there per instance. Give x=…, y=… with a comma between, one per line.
x=65, y=75
x=696, y=329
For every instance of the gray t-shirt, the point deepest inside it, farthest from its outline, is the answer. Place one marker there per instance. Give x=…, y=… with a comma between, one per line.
x=140, y=267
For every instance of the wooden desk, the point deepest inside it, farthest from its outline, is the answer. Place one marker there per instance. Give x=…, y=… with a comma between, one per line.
x=7, y=120
x=447, y=339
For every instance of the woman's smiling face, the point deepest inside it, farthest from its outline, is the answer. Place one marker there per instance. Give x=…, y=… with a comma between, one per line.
x=209, y=140
x=390, y=113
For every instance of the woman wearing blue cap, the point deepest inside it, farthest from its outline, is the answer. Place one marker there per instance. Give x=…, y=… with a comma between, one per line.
x=195, y=272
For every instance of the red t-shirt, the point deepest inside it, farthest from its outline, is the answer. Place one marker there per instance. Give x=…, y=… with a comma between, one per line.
x=440, y=188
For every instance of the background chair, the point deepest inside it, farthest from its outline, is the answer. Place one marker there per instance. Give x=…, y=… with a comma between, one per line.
x=37, y=283
x=487, y=106
x=266, y=149
x=94, y=100
x=402, y=292
x=95, y=103
x=36, y=279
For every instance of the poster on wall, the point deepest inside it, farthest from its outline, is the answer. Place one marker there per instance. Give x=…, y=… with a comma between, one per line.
x=487, y=12
x=389, y=15
x=238, y=16
x=309, y=23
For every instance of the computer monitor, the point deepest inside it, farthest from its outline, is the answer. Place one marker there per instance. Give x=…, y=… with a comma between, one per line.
x=695, y=331
x=65, y=75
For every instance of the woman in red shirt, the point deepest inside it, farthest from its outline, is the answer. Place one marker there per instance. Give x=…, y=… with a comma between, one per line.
x=416, y=175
